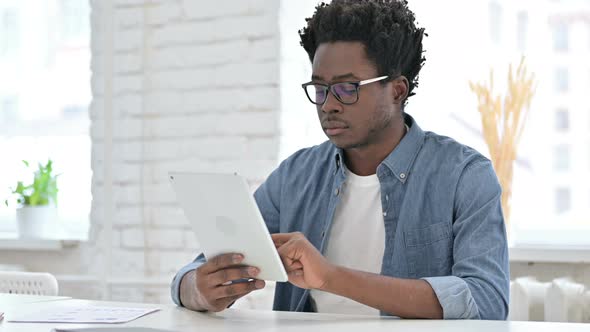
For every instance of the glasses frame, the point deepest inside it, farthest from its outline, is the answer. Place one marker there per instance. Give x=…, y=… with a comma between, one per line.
x=330, y=87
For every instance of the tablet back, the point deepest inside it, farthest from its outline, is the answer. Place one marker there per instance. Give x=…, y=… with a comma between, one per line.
x=226, y=219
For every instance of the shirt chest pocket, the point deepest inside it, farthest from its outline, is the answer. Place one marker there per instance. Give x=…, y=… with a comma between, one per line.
x=429, y=250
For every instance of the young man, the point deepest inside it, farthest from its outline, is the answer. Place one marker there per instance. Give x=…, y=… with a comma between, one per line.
x=384, y=217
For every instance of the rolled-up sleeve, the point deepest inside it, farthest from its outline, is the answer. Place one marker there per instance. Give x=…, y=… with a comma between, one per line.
x=175, y=285
x=479, y=285
x=455, y=297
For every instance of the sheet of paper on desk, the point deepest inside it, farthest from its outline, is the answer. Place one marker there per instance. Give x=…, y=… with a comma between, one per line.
x=85, y=315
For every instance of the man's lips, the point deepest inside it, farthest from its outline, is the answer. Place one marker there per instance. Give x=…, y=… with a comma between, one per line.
x=334, y=131
x=334, y=127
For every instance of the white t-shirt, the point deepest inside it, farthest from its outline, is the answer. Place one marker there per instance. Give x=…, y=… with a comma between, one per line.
x=356, y=239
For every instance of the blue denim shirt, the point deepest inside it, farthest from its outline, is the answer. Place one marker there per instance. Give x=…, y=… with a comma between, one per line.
x=442, y=214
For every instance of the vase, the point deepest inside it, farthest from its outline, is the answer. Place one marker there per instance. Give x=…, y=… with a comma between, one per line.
x=36, y=221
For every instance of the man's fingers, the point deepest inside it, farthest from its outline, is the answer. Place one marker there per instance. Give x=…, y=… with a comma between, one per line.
x=290, y=251
x=284, y=255
x=296, y=273
x=220, y=262
x=289, y=262
x=283, y=237
x=223, y=276
x=223, y=303
x=283, y=251
x=237, y=289
x=296, y=265
x=291, y=265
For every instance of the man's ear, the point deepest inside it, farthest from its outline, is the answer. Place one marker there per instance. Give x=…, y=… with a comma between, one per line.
x=400, y=89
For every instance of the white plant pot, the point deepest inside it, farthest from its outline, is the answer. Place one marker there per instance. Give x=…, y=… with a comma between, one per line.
x=36, y=221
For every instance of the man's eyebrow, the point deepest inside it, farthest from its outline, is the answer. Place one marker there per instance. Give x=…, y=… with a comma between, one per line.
x=337, y=77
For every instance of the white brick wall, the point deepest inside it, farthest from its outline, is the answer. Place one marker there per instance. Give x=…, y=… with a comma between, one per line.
x=195, y=87
x=132, y=238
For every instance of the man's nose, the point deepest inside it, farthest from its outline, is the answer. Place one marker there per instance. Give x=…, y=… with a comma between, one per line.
x=331, y=105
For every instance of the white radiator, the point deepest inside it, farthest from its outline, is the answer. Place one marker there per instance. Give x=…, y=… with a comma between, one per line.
x=561, y=300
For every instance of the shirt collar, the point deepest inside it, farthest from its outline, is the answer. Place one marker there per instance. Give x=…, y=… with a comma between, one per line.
x=401, y=159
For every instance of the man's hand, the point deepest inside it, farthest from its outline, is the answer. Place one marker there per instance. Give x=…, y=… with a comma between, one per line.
x=210, y=287
x=306, y=266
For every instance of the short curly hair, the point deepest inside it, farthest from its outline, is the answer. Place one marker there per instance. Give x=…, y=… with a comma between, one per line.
x=386, y=28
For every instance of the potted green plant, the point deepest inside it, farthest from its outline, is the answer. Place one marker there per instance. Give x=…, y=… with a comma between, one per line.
x=36, y=214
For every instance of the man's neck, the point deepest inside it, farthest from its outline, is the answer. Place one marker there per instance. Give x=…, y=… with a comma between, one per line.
x=364, y=161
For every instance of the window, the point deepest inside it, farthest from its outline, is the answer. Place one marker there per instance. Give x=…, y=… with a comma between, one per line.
x=522, y=21
x=562, y=158
x=561, y=79
x=563, y=200
x=562, y=120
x=9, y=109
x=44, y=104
x=10, y=32
x=73, y=26
x=560, y=37
x=495, y=17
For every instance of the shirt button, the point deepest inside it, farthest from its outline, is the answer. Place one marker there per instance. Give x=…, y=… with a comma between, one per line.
x=337, y=191
x=386, y=197
x=385, y=214
x=402, y=175
x=323, y=234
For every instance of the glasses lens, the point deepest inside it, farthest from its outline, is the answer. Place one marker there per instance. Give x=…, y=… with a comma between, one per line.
x=316, y=93
x=346, y=92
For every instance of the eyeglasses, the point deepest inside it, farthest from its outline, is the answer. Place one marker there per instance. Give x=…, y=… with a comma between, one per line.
x=346, y=92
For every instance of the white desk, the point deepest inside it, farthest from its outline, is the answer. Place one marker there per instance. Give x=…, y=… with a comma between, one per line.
x=9, y=300
x=179, y=319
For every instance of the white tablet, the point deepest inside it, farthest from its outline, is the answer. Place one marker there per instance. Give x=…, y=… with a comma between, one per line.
x=226, y=219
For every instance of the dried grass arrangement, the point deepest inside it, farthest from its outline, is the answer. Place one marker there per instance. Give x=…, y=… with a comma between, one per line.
x=503, y=121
